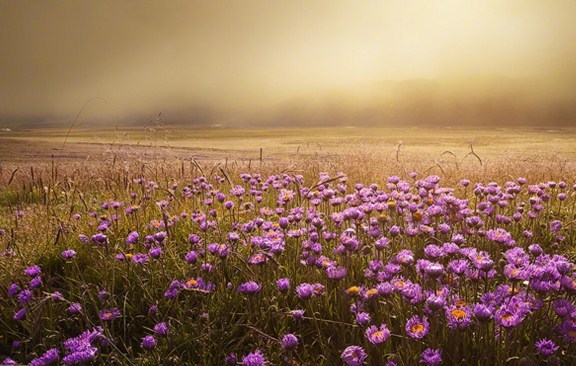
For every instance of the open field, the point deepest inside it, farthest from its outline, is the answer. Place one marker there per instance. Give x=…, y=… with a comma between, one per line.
x=546, y=154
x=340, y=246
x=491, y=144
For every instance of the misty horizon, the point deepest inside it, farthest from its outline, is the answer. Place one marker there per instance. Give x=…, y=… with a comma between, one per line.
x=303, y=63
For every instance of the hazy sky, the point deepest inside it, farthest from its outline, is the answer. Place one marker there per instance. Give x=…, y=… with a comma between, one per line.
x=247, y=57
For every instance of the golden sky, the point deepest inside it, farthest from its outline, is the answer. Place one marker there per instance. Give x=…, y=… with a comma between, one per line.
x=253, y=58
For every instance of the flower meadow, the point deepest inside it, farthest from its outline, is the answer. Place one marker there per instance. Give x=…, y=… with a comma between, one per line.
x=256, y=269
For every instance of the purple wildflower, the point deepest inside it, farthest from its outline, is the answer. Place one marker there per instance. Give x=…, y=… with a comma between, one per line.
x=25, y=296
x=431, y=357
x=20, y=314
x=417, y=328
x=283, y=285
x=36, y=282
x=546, y=347
x=68, y=254
x=47, y=358
x=249, y=288
x=149, y=342
x=13, y=289
x=459, y=317
x=32, y=271
x=132, y=237
x=555, y=226
x=109, y=314
x=161, y=329
x=155, y=252
x=100, y=239
x=140, y=258
x=255, y=358
x=377, y=335
x=289, y=341
x=305, y=290
x=363, y=318
x=231, y=359
x=75, y=308
x=353, y=356
x=568, y=330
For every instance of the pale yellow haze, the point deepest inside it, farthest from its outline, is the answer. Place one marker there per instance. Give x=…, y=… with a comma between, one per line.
x=251, y=58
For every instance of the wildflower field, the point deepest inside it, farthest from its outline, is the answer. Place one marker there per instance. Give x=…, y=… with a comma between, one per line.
x=321, y=258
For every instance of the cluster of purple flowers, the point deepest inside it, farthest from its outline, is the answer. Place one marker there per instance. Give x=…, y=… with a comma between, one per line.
x=491, y=262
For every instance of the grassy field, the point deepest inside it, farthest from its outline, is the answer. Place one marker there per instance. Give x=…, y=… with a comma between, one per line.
x=491, y=144
x=172, y=246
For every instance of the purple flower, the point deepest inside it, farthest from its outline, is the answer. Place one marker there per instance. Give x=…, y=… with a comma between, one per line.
x=25, y=296
x=32, y=271
x=8, y=362
x=132, y=237
x=283, y=285
x=155, y=252
x=191, y=257
x=231, y=359
x=405, y=257
x=546, y=347
x=103, y=295
x=377, y=335
x=140, y=258
x=149, y=342
x=161, y=329
x=20, y=314
x=297, y=314
x=482, y=312
x=255, y=358
x=417, y=328
x=336, y=273
x=304, y=290
x=75, y=308
x=80, y=349
x=57, y=296
x=68, y=254
x=434, y=270
x=249, y=288
x=568, y=329
x=13, y=289
x=109, y=314
x=289, y=341
x=363, y=318
x=500, y=236
x=563, y=307
x=555, y=226
x=36, y=282
x=47, y=358
x=431, y=357
x=458, y=317
x=100, y=239
x=353, y=356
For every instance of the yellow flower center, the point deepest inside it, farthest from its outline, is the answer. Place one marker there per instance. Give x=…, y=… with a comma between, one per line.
x=417, y=328
x=371, y=292
x=458, y=314
x=460, y=303
x=354, y=290
x=191, y=282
